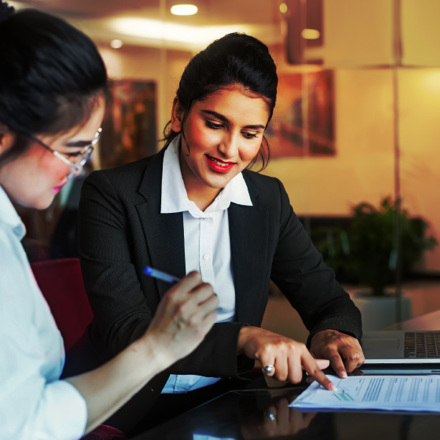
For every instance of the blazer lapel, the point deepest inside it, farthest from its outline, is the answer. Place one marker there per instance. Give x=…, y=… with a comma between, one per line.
x=163, y=232
x=248, y=226
x=164, y=238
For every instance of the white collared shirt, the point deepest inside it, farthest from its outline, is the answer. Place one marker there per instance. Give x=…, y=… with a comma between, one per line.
x=34, y=403
x=207, y=244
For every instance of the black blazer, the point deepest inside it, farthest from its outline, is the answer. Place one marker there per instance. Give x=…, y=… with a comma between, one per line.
x=121, y=231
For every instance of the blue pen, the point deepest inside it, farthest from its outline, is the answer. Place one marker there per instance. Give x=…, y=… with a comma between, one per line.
x=155, y=273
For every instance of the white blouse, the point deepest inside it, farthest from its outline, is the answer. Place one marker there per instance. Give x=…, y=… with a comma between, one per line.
x=207, y=244
x=34, y=403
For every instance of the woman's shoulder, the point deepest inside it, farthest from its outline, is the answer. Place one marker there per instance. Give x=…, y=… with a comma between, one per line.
x=266, y=190
x=261, y=182
x=129, y=172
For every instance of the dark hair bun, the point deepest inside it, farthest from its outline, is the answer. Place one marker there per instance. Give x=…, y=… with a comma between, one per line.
x=5, y=11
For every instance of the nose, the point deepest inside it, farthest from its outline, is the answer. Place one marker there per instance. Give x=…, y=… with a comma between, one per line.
x=229, y=145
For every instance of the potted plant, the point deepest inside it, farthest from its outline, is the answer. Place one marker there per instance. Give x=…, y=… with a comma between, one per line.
x=377, y=243
x=383, y=240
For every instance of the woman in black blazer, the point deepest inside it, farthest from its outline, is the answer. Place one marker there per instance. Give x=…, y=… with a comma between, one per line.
x=195, y=205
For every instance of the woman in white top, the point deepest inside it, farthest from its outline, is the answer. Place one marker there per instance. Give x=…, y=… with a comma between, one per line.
x=52, y=101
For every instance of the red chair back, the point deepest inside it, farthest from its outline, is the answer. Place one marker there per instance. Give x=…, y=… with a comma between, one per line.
x=104, y=432
x=62, y=285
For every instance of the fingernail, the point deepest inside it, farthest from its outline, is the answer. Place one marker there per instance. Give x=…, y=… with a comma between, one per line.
x=344, y=374
x=333, y=387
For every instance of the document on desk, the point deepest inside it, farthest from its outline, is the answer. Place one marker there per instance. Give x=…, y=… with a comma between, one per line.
x=398, y=393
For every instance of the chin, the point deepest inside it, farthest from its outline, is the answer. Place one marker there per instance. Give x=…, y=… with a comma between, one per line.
x=44, y=204
x=40, y=203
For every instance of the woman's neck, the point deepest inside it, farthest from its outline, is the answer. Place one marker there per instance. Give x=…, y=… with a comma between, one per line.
x=202, y=197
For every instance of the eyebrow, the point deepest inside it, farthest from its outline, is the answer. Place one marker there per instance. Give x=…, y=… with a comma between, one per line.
x=225, y=120
x=78, y=144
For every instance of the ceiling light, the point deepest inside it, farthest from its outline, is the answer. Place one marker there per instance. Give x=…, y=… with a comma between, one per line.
x=184, y=9
x=310, y=34
x=16, y=5
x=116, y=44
x=183, y=34
x=283, y=8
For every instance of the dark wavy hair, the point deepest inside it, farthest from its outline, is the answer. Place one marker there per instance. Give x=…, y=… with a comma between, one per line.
x=51, y=75
x=233, y=59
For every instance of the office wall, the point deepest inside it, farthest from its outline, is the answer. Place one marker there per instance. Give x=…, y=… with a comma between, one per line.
x=362, y=169
x=419, y=128
x=162, y=66
x=364, y=166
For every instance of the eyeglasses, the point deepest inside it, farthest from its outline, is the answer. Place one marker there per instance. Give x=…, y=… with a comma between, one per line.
x=76, y=161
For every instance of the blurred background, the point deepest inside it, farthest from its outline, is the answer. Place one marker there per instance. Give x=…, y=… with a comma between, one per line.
x=354, y=137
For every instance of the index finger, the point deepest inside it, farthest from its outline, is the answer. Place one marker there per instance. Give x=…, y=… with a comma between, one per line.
x=196, y=291
x=188, y=282
x=352, y=357
x=313, y=370
x=338, y=365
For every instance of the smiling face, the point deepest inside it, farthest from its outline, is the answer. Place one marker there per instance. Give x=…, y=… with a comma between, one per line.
x=221, y=135
x=34, y=178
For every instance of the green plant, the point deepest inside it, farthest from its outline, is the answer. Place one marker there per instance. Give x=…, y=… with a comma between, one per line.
x=377, y=243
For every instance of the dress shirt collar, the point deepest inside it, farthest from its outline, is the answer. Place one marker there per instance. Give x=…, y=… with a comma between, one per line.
x=9, y=215
x=174, y=195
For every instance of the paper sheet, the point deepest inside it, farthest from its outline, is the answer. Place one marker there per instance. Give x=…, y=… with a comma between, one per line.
x=401, y=393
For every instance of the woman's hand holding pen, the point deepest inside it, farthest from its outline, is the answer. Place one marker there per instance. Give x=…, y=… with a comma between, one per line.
x=185, y=315
x=287, y=356
x=344, y=351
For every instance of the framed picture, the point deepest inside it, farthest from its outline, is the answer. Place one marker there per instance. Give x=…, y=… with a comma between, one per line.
x=129, y=128
x=303, y=121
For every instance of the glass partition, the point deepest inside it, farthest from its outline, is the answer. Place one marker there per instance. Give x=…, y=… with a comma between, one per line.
x=370, y=207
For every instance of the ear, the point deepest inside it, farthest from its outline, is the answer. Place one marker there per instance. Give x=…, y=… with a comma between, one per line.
x=6, y=138
x=176, y=116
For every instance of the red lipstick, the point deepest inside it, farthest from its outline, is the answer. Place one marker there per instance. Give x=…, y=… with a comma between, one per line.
x=218, y=165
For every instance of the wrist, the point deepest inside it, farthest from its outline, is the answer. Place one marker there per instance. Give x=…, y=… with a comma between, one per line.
x=150, y=352
x=243, y=337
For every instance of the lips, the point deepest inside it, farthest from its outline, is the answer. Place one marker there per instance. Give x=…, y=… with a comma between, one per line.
x=218, y=165
x=57, y=189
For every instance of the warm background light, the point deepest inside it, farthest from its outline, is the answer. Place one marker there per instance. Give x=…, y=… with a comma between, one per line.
x=184, y=9
x=194, y=36
x=310, y=34
x=116, y=44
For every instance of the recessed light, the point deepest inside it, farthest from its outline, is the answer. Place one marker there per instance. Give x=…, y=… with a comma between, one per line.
x=310, y=34
x=194, y=36
x=116, y=44
x=184, y=9
x=283, y=8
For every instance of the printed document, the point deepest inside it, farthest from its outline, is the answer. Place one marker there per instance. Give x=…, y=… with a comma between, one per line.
x=399, y=393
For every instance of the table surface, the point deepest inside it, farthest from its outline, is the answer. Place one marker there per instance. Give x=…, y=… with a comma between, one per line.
x=265, y=414
x=428, y=321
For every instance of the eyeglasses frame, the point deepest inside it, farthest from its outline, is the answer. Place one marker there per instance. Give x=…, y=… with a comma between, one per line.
x=75, y=167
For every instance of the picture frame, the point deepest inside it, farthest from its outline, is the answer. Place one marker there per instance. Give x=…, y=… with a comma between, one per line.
x=129, y=129
x=303, y=120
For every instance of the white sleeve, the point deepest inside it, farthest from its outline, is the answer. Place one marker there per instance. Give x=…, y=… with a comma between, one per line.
x=31, y=407
x=34, y=403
